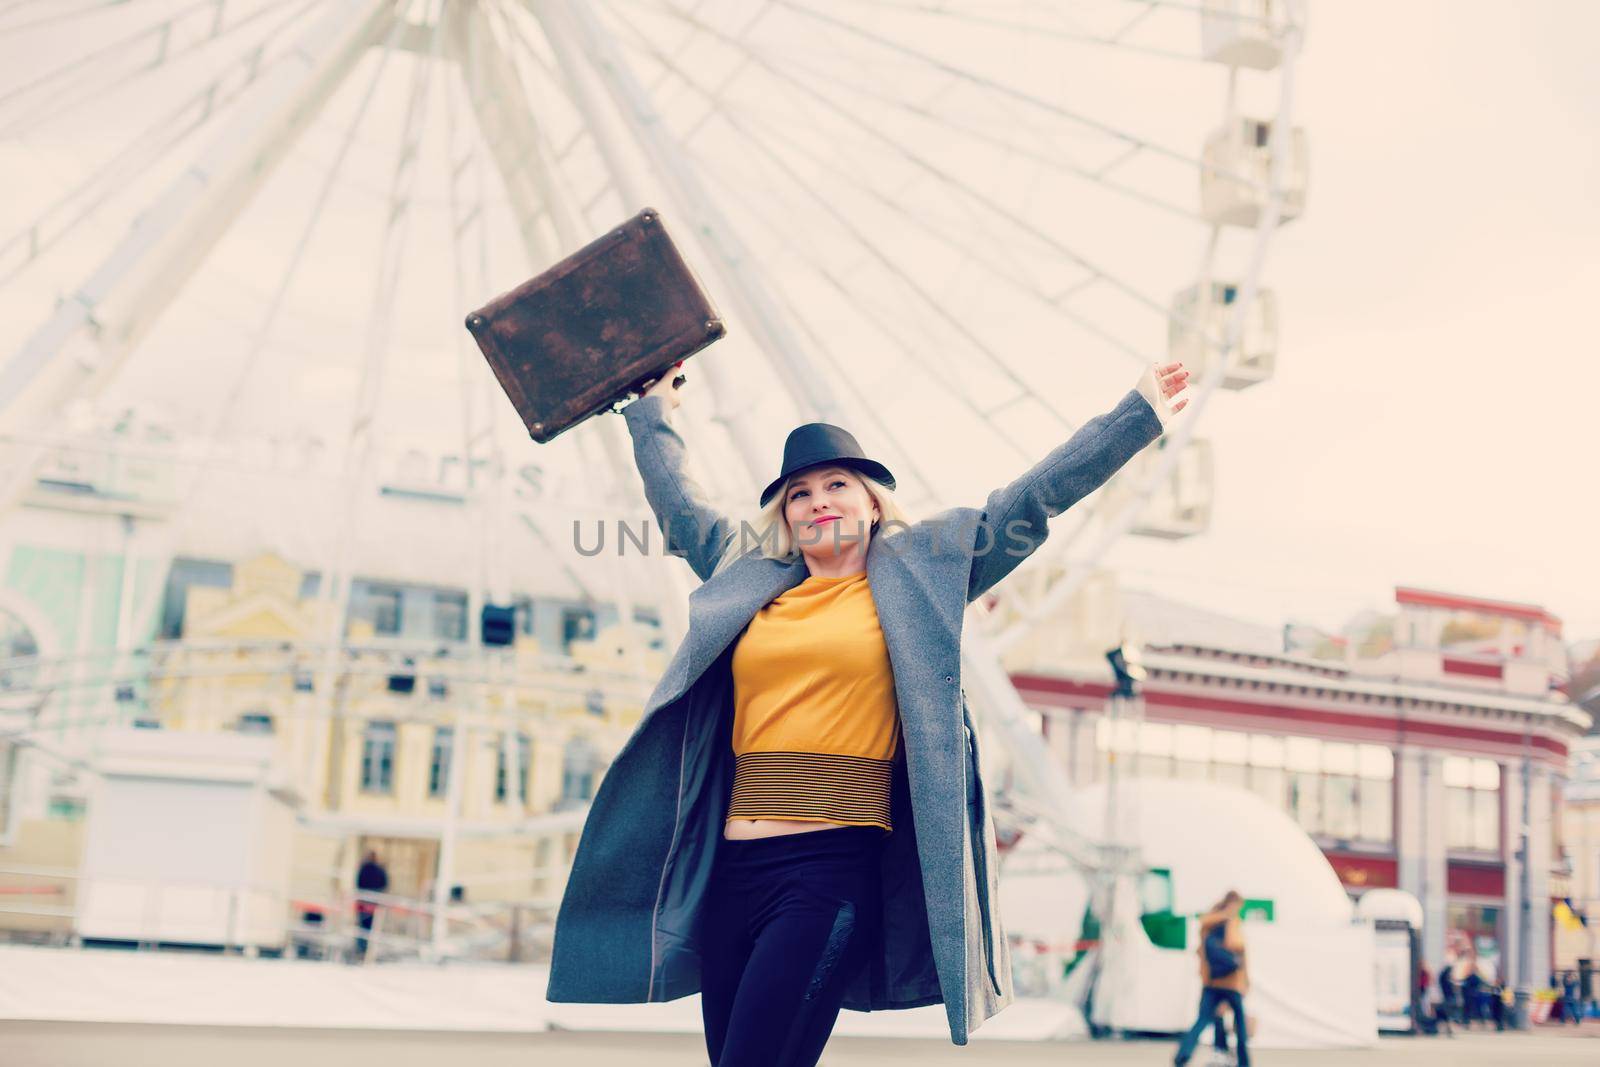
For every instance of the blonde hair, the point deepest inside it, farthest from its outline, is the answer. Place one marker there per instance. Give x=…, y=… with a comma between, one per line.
x=770, y=531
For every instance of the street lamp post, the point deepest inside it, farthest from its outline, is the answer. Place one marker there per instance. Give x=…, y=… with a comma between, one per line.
x=1519, y=1015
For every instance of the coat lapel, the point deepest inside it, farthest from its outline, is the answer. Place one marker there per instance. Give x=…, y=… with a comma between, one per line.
x=718, y=610
x=921, y=608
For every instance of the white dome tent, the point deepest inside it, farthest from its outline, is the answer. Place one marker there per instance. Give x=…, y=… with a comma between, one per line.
x=1208, y=838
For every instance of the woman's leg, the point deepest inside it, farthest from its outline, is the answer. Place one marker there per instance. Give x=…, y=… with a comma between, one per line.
x=1207, y=1014
x=726, y=942
x=778, y=998
x=809, y=941
x=1241, y=1025
x=815, y=1026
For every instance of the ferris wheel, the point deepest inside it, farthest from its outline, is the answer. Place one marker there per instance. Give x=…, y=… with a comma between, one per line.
x=964, y=226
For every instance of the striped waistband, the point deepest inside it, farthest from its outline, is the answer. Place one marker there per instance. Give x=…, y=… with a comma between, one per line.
x=811, y=787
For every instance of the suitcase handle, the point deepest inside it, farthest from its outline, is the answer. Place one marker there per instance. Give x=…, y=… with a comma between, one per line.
x=633, y=392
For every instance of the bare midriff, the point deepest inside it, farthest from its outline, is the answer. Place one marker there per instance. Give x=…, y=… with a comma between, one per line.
x=749, y=829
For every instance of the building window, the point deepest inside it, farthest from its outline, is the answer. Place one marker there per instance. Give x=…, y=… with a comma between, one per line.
x=579, y=764
x=184, y=574
x=1473, y=930
x=255, y=722
x=17, y=644
x=651, y=621
x=524, y=754
x=1267, y=776
x=523, y=607
x=1155, y=750
x=1341, y=806
x=1191, y=752
x=450, y=616
x=577, y=624
x=377, y=757
x=8, y=783
x=378, y=605
x=444, y=740
x=1375, y=768
x=1332, y=789
x=1472, y=804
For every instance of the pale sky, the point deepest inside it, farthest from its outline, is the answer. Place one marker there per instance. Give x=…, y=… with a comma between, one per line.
x=1429, y=423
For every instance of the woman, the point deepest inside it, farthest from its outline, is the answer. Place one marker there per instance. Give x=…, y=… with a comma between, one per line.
x=1217, y=989
x=798, y=822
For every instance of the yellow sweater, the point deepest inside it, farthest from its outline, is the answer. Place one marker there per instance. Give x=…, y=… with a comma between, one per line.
x=815, y=725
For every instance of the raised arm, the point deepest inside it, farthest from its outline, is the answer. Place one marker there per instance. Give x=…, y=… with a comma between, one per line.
x=692, y=528
x=1017, y=516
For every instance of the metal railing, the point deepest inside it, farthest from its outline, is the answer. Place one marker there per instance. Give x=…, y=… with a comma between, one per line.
x=231, y=918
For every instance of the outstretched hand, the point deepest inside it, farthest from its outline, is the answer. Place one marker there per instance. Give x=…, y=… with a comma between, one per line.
x=663, y=386
x=1172, y=379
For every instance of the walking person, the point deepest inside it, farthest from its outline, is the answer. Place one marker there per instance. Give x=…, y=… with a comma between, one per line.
x=1435, y=1007
x=371, y=877
x=1449, y=993
x=1472, y=1000
x=1570, y=997
x=1222, y=977
x=799, y=823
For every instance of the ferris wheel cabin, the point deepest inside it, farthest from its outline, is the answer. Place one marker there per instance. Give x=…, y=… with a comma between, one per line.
x=1243, y=33
x=1236, y=173
x=1179, y=504
x=1197, y=327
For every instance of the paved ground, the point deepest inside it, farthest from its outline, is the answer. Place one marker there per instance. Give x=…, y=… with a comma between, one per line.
x=104, y=1045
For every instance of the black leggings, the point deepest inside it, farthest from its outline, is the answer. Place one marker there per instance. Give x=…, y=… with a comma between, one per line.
x=787, y=925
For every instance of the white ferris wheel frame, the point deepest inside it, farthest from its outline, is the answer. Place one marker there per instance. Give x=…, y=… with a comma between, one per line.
x=90, y=335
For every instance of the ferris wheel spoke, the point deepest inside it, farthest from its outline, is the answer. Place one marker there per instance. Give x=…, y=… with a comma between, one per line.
x=990, y=21
x=397, y=229
x=58, y=16
x=980, y=81
x=1022, y=225
x=999, y=269
x=59, y=102
x=469, y=223
x=1097, y=175
x=886, y=262
x=588, y=208
x=1202, y=9
x=828, y=273
x=814, y=261
x=781, y=167
x=135, y=158
x=263, y=330
x=693, y=34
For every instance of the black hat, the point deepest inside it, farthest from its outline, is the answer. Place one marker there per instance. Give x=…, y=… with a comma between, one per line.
x=817, y=443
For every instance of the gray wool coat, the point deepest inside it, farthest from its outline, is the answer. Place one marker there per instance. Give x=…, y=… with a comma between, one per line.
x=626, y=931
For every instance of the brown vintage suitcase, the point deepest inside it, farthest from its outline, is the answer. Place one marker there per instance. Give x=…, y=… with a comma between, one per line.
x=593, y=328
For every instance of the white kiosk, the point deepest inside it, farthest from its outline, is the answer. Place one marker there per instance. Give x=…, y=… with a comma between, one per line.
x=188, y=841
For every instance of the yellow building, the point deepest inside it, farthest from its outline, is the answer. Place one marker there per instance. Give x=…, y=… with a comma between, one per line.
x=372, y=728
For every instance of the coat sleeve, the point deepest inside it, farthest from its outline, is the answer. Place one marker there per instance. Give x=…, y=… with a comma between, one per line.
x=691, y=527
x=1015, y=517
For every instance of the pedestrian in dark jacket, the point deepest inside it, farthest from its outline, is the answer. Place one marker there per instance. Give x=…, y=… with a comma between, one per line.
x=370, y=878
x=1570, y=997
x=1223, y=979
x=1472, y=996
